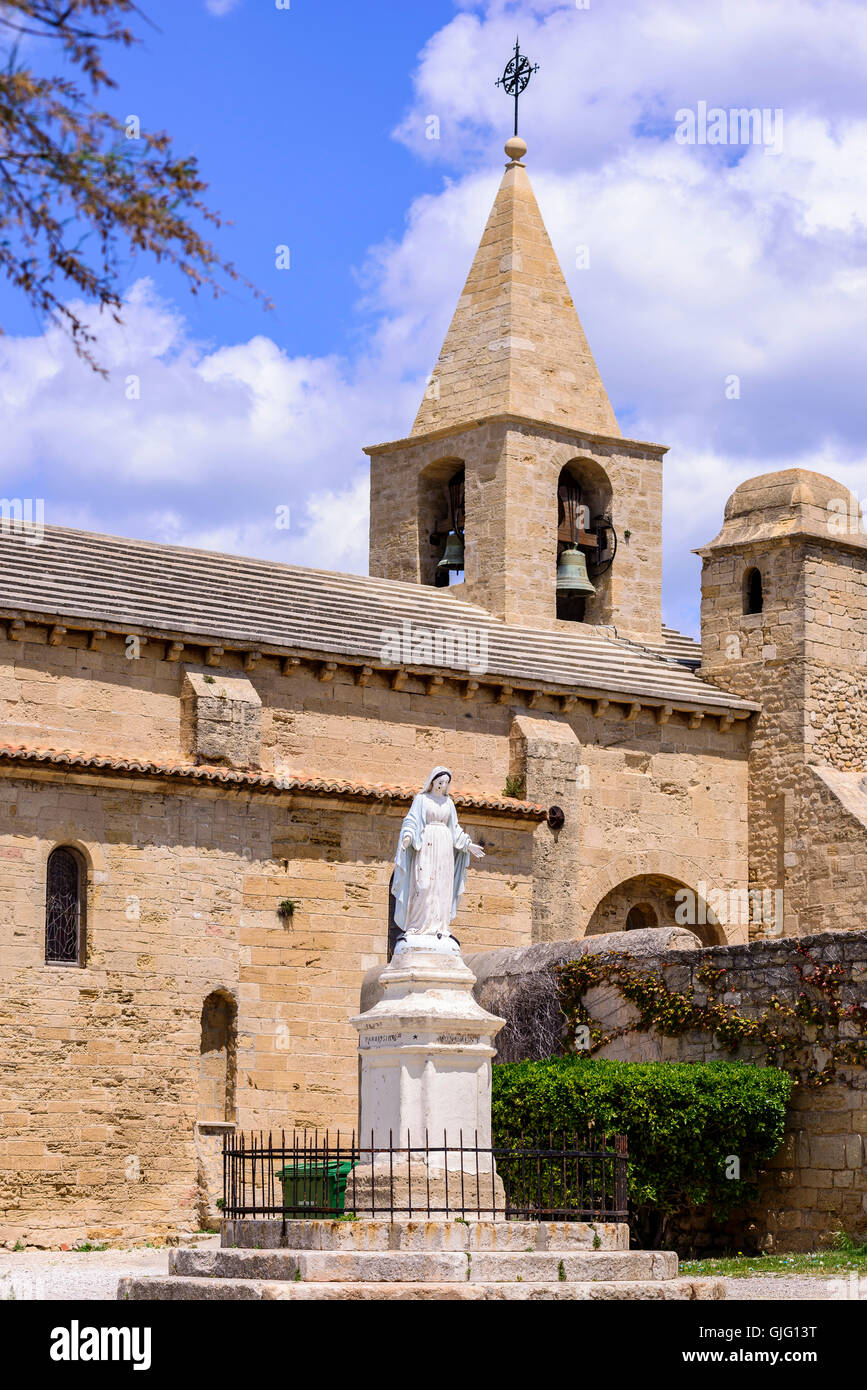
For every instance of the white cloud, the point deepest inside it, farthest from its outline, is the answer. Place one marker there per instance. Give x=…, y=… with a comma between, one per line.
x=701, y=266
x=220, y=7
x=611, y=69
x=210, y=446
x=704, y=262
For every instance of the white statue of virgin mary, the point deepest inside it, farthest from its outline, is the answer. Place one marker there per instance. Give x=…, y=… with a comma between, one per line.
x=433, y=853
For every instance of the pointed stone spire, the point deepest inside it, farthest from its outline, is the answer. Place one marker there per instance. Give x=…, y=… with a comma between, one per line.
x=515, y=344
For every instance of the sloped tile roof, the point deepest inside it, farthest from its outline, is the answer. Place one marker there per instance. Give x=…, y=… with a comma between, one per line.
x=22, y=755
x=79, y=578
x=679, y=647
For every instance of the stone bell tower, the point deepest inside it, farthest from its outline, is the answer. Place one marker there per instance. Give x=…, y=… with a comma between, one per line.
x=784, y=622
x=515, y=418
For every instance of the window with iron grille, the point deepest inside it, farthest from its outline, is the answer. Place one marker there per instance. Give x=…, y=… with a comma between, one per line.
x=64, y=908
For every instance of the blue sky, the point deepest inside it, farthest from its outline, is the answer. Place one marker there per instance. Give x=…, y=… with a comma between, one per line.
x=290, y=114
x=309, y=124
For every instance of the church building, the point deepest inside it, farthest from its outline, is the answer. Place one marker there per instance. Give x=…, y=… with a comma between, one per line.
x=206, y=759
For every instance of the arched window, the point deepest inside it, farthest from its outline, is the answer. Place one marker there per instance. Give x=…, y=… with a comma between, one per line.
x=753, y=600
x=441, y=521
x=66, y=881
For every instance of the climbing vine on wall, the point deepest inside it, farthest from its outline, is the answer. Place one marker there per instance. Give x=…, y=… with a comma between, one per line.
x=810, y=1038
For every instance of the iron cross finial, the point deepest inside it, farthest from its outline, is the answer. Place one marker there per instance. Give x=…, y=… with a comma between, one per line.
x=516, y=75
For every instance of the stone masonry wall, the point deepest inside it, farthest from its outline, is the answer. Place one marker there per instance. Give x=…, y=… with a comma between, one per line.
x=835, y=596
x=100, y=1091
x=802, y=658
x=837, y=710
x=826, y=855
x=512, y=471
x=641, y=797
x=817, y=1182
x=760, y=656
x=641, y=800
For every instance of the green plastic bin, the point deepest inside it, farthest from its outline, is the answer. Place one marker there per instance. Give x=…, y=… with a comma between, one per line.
x=319, y=1186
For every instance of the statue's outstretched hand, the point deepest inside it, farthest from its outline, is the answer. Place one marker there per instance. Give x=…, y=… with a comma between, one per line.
x=476, y=851
x=405, y=840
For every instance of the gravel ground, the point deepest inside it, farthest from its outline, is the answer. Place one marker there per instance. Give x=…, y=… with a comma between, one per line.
x=54, y=1274
x=58, y=1274
x=797, y=1287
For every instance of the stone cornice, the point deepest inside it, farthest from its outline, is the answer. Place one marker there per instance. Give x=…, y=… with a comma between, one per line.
x=502, y=689
x=202, y=648
x=769, y=538
x=548, y=426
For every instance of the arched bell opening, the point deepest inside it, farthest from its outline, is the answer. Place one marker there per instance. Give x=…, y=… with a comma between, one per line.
x=586, y=543
x=655, y=900
x=442, y=523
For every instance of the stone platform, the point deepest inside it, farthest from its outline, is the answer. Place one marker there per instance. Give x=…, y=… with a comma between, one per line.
x=415, y=1260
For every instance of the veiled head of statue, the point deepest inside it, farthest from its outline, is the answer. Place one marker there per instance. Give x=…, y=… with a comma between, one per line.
x=433, y=779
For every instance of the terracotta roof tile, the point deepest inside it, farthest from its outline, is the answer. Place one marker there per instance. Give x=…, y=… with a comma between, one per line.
x=21, y=755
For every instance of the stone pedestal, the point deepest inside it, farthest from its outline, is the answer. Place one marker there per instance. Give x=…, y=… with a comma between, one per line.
x=425, y=1052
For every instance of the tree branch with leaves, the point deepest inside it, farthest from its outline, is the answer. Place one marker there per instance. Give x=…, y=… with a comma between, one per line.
x=76, y=191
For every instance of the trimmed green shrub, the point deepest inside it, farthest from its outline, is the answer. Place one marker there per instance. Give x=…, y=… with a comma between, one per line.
x=684, y=1122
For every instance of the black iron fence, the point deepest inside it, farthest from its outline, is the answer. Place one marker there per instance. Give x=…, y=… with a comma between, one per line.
x=557, y=1177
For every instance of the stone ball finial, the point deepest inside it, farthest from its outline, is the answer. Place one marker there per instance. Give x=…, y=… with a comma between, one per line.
x=516, y=148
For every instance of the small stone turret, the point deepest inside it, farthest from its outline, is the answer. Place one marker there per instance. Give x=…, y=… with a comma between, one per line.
x=784, y=622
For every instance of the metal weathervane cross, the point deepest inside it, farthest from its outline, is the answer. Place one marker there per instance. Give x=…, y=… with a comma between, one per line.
x=516, y=75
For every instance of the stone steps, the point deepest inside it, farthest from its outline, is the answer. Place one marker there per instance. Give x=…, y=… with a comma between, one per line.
x=402, y=1234
x=210, y=1290
x=420, y=1260
x=421, y=1266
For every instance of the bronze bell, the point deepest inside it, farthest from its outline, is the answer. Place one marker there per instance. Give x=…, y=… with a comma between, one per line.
x=572, y=572
x=453, y=555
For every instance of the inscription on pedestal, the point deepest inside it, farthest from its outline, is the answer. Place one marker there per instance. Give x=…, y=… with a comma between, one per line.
x=368, y=1040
